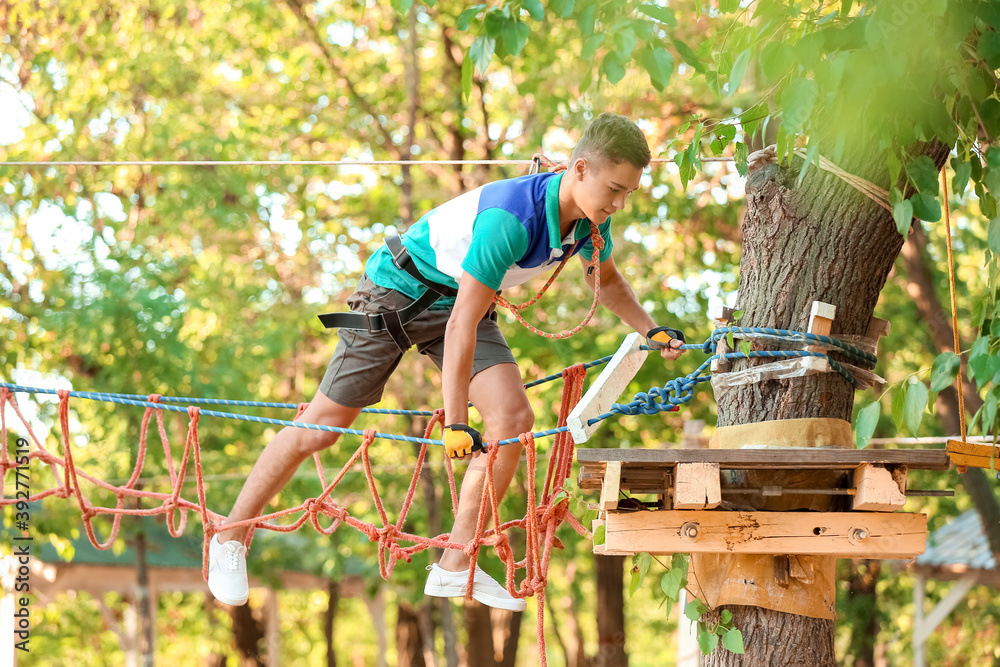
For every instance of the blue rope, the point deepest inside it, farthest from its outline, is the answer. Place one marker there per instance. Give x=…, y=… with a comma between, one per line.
x=670, y=396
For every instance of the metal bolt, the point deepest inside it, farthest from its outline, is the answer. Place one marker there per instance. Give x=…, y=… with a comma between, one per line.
x=689, y=531
x=859, y=534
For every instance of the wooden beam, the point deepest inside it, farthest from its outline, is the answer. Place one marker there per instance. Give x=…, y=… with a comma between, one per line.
x=780, y=458
x=840, y=534
x=877, y=329
x=610, y=489
x=821, y=317
x=973, y=454
x=696, y=486
x=606, y=389
x=877, y=490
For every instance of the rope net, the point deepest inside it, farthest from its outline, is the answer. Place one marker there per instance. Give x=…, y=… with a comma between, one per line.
x=546, y=510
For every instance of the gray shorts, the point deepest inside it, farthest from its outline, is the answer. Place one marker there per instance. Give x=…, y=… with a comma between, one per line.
x=363, y=361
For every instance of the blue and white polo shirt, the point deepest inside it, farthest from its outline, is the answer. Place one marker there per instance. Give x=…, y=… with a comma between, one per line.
x=502, y=234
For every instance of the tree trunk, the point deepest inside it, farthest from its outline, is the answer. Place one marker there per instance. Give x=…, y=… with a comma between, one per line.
x=479, y=634
x=862, y=600
x=333, y=596
x=409, y=644
x=143, y=602
x=823, y=241
x=610, y=612
x=506, y=633
x=247, y=636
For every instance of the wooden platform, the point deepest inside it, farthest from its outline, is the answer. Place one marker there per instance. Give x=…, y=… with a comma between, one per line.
x=698, y=508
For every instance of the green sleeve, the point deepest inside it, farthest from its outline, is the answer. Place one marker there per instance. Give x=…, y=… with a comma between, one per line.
x=499, y=240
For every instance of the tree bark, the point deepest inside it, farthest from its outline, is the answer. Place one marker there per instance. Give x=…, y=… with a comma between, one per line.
x=823, y=241
x=861, y=592
x=479, y=631
x=610, y=612
x=333, y=596
x=409, y=644
x=247, y=636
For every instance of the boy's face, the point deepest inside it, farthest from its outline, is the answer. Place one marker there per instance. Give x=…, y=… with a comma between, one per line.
x=605, y=187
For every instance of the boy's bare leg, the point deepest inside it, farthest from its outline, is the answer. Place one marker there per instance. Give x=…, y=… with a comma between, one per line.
x=281, y=458
x=498, y=394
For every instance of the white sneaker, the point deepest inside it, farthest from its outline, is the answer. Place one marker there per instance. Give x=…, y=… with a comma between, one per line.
x=443, y=583
x=227, y=572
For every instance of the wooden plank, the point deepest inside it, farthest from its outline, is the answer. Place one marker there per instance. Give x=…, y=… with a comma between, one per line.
x=697, y=486
x=876, y=329
x=785, y=368
x=841, y=534
x=821, y=317
x=780, y=458
x=610, y=489
x=877, y=490
x=977, y=455
x=606, y=389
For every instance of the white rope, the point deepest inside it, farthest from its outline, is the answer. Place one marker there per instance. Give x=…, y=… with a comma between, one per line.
x=284, y=163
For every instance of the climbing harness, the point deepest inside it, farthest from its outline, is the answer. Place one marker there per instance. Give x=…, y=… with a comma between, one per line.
x=393, y=321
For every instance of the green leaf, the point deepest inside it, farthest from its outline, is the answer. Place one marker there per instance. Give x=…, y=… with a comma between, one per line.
x=726, y=616
x=402, y=6
x=798, y=101
x=845, y=7
x=642, y=560
x=993, y=236
x=963, y=170
x=586, y=20
x=776, y=59
x=625, y=42
x=864, y=426
x=564, y=8
x=634, y=584
x=742, y=155
x=600, y=534
x=515, y=36
x=926, y=207
x=694, y=609
x=745, y=347
x=738, y=71
x=899, y=406
x=612, y=68
x=534, y=8
x=481, y=52
x=945, y=370
x=661, y=14
x=659, y=64
x=688, y=55
x=923, y=174
x=707, y=642
x=902, y=213
x=732, y=641
x=916, y=404
x=989, y=49
x=990, y=412
x=591, y=44
x=467, y=69
x=673, y=582
x=467, y=15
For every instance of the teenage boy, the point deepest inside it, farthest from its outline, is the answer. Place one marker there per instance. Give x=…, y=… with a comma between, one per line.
x=434, y=288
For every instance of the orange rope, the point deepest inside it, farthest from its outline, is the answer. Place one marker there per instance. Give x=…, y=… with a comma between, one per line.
x=543, y=517
x=954, y=305
x=597, y=244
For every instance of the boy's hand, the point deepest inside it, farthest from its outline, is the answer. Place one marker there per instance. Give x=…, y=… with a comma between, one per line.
x=667, y=340
x=461, y=440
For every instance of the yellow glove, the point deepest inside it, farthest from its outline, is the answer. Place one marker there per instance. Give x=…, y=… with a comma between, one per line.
x=461, y=440
x=660, y=337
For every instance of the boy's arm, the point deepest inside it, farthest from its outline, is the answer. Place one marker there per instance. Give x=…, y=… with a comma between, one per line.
x=471, y=304
x=618, y=297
